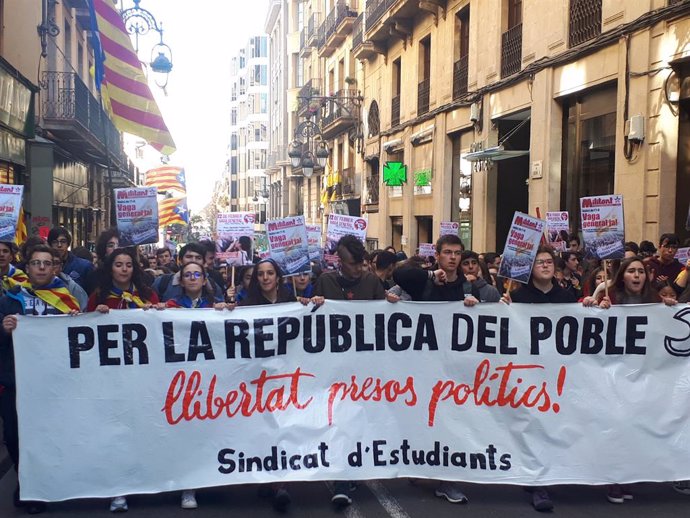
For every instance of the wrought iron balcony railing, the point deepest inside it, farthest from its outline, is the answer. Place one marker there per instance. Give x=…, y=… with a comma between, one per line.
x=460, y=77
x=67, y=100
x=345, y=108
x=310, y=89
x=358, y=31
x=585, y=21
x=372, y=195
x=375, y=9
x=511, y=51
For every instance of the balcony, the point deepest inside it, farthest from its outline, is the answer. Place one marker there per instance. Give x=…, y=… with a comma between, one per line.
x=75, y=116
x=395, y=111
x=361, y=47
x=384, y=17
x=339, y=117
x=348, y=188
x=337, y=26
x=585, y=21
x=310, y=88
x=423, y=96
x=511, y=51
x=313, y=28
x=358, y=32
x=460, y=76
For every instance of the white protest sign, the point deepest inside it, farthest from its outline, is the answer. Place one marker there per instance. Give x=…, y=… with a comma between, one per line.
x=136, y=210
x=603, y=226
x=235, y=231
x=449, y=227
x=533, y=394
x=10, y=205
x=521, y=247
x=287, y=242
x=314, y=241
x=558, y=229
x=427, y=250
x=340, y=225
x=682, y=255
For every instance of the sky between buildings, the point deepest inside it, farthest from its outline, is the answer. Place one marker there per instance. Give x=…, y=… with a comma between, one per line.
x=203, y=36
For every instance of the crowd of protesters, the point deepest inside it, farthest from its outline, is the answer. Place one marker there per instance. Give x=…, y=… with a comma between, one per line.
x=51, y=278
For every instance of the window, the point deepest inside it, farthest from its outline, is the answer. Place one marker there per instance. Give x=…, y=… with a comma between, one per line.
x=462, y=51
x=68, y=42
x=589, y=149
x=424, y=84
x=395, y=99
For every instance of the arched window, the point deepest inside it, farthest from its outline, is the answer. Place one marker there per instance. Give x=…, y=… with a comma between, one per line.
x=374, y=122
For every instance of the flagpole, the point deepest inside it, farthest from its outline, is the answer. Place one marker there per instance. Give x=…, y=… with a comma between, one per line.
x=113, y=220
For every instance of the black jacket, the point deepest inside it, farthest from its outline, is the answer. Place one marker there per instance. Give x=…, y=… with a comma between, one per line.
x=529, y=294
x=421, y=287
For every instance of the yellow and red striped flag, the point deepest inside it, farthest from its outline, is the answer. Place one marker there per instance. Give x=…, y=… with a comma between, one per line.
x=122, y=81
x=173, y=211
x=167, y=178
x=20, y=234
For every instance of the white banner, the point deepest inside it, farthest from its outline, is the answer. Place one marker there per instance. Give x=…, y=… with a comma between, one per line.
x=136, y=210
x=147, y=401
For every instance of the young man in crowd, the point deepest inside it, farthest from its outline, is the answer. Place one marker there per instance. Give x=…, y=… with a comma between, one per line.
x=351, y=281
x=210, y=262
x=442, y=284
x=43, y=294
x=168, y=286
x=165, y=259
x=572, y=280
x=384, y=264
x=663, y=267
x=542, y=288
x=474, y=283
x=77, y=268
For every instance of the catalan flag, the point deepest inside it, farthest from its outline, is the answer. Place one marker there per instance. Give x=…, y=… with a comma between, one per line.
x=122, y=81
x=167, y=179
x=20, y=233
x=173, y=211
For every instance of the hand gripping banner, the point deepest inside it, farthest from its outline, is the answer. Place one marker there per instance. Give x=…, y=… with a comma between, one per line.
x=147, y=401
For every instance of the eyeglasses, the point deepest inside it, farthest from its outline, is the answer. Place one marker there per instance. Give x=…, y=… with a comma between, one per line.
x=111, y=245
x=61, y=242
x=544, y=262
x=456, y=253
x=41, y=264
x=192, y=275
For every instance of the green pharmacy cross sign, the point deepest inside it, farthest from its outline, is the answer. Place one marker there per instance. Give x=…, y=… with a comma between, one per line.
x=394, y=174
x=422, y=178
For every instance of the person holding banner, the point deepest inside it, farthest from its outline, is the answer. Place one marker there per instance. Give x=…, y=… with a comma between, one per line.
x=195, y=291
x=122, y=286
x=300, y=285
x=542, y=288
x=664, y=267
x=42, y=294
x=168, y=286
x=631, y=285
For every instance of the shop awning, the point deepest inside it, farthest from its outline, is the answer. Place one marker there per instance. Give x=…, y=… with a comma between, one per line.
x=493, y=154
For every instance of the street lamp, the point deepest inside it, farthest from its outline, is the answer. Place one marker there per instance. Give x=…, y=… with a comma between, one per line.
x=139, y=22
x=307, y=135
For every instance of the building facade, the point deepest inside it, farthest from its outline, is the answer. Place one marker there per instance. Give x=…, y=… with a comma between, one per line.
x=245, y=174
x=73, y=153
x=561, y=100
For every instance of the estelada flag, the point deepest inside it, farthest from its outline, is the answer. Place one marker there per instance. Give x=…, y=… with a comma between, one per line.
x=167, y=178
x=173, y=211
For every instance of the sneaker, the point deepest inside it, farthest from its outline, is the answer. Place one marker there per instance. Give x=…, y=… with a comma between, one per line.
x=118, y=504
x=451, y=492
x=35, y=507
x=340, y=497
x=627, y=495
x=281, y=500
x=541, y=500
x=682, y=486
x=188, y=500
x=615, y=494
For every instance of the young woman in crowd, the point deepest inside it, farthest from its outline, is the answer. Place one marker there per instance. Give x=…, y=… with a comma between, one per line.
x=195, y=291
x=121, y=286
x=631, y=285
x=244, y=276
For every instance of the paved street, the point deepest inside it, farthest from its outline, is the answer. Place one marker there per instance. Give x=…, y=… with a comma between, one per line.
x=378, y=499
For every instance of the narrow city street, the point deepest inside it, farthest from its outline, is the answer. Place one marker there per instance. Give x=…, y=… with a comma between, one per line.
x=398, y=498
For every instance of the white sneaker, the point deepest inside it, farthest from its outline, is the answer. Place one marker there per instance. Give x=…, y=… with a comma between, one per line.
x=118, y=504
x=189, y=499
